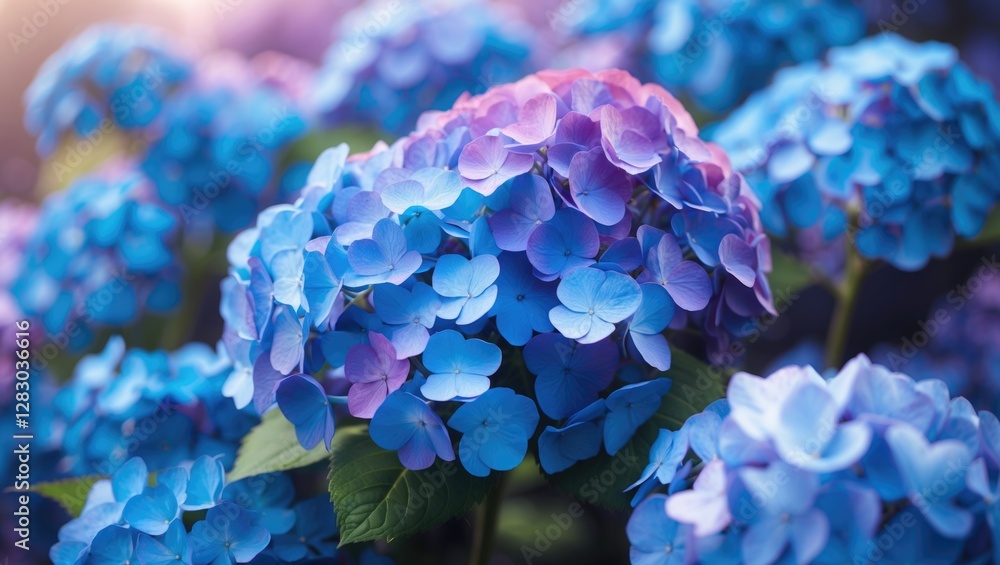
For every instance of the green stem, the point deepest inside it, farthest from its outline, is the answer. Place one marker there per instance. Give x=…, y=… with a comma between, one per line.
x=487, y=518
x=846, y=295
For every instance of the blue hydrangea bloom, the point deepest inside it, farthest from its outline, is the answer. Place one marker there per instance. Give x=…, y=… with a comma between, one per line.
x=422, y=57
x=217, y=156
x=523, y=223
x=713, y=52
x=170, y=406
x=795, y=467
x=110, y=75
x=890, y=144
x=258, y=519
x=101, y=253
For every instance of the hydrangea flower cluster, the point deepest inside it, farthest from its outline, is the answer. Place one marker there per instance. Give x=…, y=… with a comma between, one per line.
x=793, y=467
x=959, y=343
x=105, y=249
x=135, y=416
x=109, y=72
x=571, y=217
x=141, y=516
x=101, y=251
x=216, y=157
x=166, y=408
x=715, y=52
x=394, y=61
x=893, y=143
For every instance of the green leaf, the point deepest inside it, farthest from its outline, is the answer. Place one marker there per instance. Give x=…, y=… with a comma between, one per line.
x=788, y=275
x=602, y=480
x=271, y=446
x=71, y=494
x=377, y=498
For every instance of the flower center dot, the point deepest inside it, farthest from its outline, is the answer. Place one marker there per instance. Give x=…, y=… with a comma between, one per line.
x=669, y=548
x=568, y=253
x=520, y=297
x=591, y=312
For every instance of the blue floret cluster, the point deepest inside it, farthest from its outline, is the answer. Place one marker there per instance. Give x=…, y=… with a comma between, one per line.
x=155, y=432
x=217, y=157
x=206, y=148
x=571, y=219
x=165, y=407
x=892, y=144
x=142, y=515
x=713, y=52
x=101, y=251
x=394, y=61
x=108, y=77
x=795, y=468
